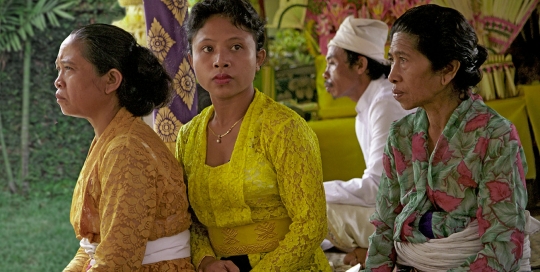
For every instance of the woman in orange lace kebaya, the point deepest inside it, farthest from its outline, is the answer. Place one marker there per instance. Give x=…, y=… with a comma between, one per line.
x=129, y=208
x=253, y=167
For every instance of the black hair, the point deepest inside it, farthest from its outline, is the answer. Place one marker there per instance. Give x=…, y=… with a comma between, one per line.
x=240, y=13
x=145, y=84
x=374, y=70
x=444, y=35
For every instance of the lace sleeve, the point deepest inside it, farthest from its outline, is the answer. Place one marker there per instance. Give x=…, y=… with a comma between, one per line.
x=294, y=151
x=78, y=262
x=200, y=243
x=127, y=207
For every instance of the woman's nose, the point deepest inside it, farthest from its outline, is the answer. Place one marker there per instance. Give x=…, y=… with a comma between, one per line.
x=57, y=83
x=393, y=76
x=222, y=60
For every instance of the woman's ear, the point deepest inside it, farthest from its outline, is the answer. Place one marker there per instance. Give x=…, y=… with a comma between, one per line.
x=261, y=56
x=113, y=79
x=449, y=72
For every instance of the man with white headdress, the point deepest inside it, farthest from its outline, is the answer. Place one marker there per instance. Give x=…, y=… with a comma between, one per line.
x=357, y=68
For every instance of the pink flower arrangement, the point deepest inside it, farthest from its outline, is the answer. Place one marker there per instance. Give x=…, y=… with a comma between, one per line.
x=329, y=14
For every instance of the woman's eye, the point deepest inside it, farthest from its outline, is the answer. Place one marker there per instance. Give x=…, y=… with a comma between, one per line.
x=236, y=47
x=207, y=49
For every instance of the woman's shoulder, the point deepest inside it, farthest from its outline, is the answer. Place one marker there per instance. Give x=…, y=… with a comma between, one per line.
x=276, y=113
x=196, y=121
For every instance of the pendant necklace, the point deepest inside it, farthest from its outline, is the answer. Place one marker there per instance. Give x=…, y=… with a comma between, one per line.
x=219, y=136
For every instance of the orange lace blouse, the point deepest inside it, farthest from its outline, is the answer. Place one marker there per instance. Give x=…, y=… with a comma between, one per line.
x=130, y=190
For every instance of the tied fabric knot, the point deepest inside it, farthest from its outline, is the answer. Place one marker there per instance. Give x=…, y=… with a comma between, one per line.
x=90, y=249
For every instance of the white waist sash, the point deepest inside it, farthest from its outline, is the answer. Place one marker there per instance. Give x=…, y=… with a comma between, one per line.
x=451, y=252
x=162, y=249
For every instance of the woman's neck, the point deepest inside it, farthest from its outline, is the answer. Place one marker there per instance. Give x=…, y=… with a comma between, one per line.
x=228, y=111
x=438, y=115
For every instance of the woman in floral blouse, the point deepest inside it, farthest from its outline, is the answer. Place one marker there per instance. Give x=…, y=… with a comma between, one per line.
x=453, y=194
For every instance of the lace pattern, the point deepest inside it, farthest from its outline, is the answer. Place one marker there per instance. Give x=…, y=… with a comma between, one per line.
x=130, y=190
x=275, y=172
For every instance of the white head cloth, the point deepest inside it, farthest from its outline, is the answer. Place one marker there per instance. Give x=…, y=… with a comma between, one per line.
x=363, y=36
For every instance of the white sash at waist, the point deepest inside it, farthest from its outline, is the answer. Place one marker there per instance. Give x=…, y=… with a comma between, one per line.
x=450, y=252
x=162, y=249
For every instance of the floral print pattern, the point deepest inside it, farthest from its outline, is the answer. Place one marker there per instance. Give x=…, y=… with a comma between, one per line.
x=166, y=124
x=476, y=172
x=178, y=8
x=159, y=40
x=184, y=82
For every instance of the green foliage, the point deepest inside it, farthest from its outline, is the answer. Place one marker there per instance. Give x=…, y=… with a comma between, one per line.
x=58, y=143
x=17, y=20
x=288, y=49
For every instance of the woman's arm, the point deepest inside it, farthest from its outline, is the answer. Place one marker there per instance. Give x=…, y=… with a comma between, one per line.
x=78, y=262
x=200, y=243
x=381, y=252
x=294, y=152
x=128, y=204
x=502, y=199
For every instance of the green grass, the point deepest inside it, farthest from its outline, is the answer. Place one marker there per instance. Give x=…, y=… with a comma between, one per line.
x=35, y=234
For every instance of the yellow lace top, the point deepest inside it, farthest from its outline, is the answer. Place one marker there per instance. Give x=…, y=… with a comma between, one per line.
x=130, y=190
x=275, y=172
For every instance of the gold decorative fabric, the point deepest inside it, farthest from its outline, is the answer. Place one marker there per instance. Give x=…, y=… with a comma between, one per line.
x=167, y=39
x=274, y=173
x=130, y=191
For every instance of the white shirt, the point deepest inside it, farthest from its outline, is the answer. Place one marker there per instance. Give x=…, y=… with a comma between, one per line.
x=376, y=110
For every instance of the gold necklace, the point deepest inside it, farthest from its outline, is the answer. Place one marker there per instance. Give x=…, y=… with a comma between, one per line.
x=219, y=136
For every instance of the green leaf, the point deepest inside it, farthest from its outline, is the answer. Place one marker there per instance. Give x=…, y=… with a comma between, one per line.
x=63, y=14
x=52, y=19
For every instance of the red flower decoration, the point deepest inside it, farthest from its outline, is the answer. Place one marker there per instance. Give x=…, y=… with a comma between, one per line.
x=498, y=190
x=465, y=176
x=483, y=225
x=517, y=239
x=481, y=264
x=398, y=209
x=481, y=147
x=401, y=164
x=406, y=229
x=387, y=166
x=445, y=201
x=382, y=268
x=376, y=223
x=478, y=121
x=443, y=153
x=418, y=147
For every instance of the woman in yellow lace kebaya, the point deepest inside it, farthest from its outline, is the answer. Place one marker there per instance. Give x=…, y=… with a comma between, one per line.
x=129, y=207
x=253, y=166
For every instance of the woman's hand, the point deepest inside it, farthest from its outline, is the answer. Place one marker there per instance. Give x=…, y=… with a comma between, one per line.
x=210, y=264
x=357, y=256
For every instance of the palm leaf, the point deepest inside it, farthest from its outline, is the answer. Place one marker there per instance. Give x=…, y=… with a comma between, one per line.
x=17, y=21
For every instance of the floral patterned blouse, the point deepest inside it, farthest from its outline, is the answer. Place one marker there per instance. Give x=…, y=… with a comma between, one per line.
x=476, y=172
x=130, y=191
x=275, y=172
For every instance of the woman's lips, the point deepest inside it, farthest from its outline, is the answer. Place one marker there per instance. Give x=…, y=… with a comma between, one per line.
x=222, y=78
x=59, y=97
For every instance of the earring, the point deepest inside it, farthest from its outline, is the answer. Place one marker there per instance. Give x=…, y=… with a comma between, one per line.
x=258, y=68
